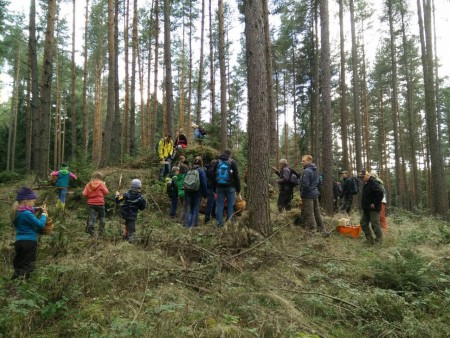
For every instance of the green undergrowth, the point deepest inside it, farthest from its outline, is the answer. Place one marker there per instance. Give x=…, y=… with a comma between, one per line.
x=175, y=282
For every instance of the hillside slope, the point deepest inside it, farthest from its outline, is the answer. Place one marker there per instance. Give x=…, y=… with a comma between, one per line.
x=196, y=283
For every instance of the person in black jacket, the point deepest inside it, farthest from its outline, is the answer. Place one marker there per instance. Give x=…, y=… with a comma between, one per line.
x=372, y=195
x=131, y=202
x=310, y=196
x=347, y=196
x=226, y=185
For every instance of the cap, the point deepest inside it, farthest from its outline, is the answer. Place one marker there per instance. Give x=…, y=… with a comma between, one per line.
x=25, y=193
x=136, y=183
x=363, y=173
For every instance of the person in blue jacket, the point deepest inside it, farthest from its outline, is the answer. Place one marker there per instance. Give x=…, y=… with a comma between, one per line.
x=27, y=227
x=131, y=202
x=309, y=183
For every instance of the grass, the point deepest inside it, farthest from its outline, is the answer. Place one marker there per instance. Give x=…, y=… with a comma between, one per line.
x=195, y=283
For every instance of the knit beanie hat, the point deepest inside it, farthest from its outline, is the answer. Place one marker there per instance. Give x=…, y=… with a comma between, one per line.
x=25, y=193
x=64, y=166
x=136, y=183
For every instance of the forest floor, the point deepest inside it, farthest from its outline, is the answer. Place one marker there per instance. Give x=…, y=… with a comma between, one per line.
x=176, y=282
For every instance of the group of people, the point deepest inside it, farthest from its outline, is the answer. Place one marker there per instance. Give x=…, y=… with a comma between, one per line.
x=373, y=201
x=218, y=182
x=167, y=148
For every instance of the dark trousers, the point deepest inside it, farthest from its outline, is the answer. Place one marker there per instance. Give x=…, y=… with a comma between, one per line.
x=284, y=199
x=173, y=206
x=130, y=228
x=95, y=211
x=347, y=203
x=371, y=217
x=25, y=258
x=210, y=210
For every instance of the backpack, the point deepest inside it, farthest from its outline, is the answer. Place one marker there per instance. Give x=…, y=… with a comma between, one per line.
x=172, y=188
x=294, y=179
x=223, y=172
x=192, y=181
x=354, y=189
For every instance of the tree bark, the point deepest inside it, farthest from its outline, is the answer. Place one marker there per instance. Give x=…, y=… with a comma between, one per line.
x=43, y=148
x=84, y=132
x=259, y=209
x=168, y=68
x=223, y=79
x=73, y=112
x=110, y=102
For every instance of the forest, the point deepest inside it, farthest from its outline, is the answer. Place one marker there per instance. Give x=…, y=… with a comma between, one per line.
x=97, y=84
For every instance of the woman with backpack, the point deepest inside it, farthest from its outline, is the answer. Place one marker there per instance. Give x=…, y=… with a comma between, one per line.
x=195, y=189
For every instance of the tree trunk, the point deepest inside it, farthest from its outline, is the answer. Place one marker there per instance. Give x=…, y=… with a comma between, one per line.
x=189, y=100
x=43, y=151
x=134, y=52
x=110, y=102
x=168, y=67
x=155, y=81
x=343, y=92
x=201, y=66
x=272, y=115
x=223, y=79
x=439, y=204
x=97, y=137
x=212, y=84
x=116, y=139
x=28, y=121
x=315, y=95
x=126, y=113
x=84, y=132
x=35, y=109
x=73, y=112
x=13, y=120
x=355, y=83
x=327, y=128
x=259, y=209
x=182, y=80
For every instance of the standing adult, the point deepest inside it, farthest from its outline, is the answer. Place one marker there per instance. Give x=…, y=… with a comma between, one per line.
x=286, y=188
x=226, y=185
x=347, y=196
x=165, y=151
x=383, y=220
x=210, y=210
x=310, y=196
x=372, y=195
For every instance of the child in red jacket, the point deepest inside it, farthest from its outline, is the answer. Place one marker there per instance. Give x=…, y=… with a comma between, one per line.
x=95, y=192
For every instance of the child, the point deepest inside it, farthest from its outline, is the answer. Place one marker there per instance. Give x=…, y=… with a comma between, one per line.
x=95, y=192
x=62, y=177
x=172, y=191
x=27, y=227
x=131, y=202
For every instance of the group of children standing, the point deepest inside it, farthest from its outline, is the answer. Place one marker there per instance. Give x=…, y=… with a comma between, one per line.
x=29, y=221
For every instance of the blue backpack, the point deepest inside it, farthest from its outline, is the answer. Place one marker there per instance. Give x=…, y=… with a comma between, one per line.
x=223, y=172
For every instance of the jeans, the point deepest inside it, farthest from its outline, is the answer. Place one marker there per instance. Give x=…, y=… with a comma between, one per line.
x=62, y=193
x=230, y=194
x=94, y=211
x=210, y=210
x=164, y=170
x=372, y=217
x=194, y=208
x=173, y=206
x=311, y=216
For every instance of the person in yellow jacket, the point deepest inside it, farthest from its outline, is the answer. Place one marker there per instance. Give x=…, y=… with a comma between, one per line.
x=165, y=151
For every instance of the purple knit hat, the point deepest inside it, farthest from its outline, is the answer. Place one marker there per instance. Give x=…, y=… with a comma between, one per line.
x=25, y=193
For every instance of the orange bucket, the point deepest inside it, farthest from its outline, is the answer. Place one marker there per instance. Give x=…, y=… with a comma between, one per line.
x=352, y=231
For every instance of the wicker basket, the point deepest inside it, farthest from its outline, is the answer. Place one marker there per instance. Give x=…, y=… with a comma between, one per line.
x=48, y=227
x=240, y=204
